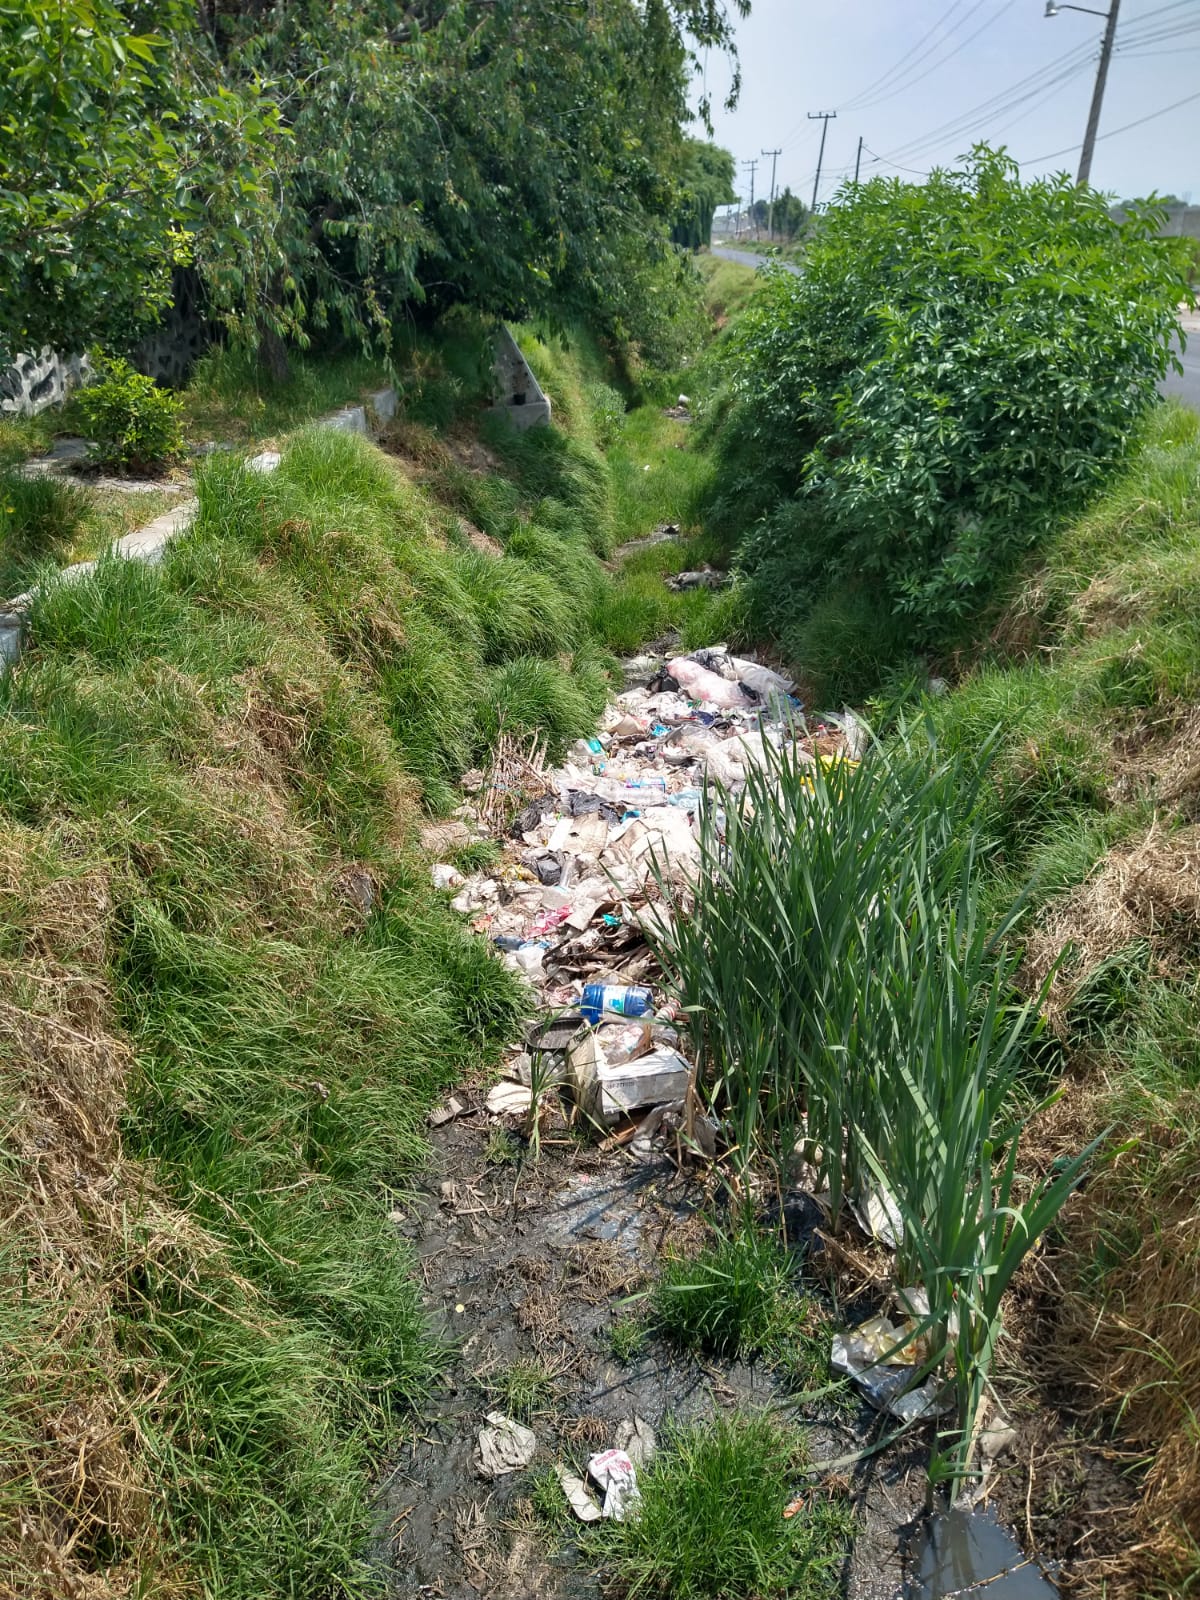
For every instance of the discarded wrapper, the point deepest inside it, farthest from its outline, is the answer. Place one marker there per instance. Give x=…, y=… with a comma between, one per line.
x=882, y=1367
x=507, y=1097
x=503, y=1446
x=616, y=1475
x=579, y=1496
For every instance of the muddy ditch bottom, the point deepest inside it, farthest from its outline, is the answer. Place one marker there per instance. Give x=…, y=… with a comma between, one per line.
x=537, y=1265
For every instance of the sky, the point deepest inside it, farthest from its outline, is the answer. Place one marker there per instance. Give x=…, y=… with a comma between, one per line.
x=921, y=80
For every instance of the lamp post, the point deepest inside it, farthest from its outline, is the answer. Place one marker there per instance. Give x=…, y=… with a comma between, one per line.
x=1106, y=49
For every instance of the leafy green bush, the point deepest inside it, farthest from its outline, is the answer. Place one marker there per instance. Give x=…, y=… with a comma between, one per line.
x=961, y=363
x=133, y=423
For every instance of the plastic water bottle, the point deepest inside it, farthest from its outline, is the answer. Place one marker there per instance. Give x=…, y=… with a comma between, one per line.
x=615, y=999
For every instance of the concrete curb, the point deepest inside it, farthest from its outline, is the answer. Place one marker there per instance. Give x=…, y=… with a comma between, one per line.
x=148, y=543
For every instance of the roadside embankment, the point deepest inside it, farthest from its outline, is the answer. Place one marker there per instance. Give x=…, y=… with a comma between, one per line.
x=228, y=993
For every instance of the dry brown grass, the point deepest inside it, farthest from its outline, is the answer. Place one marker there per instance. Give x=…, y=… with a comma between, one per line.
x=71, y=1460
x=1126, y=1340
x=1147, y=891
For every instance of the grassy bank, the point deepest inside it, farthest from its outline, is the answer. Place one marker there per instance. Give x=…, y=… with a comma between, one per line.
x=227, y=991
x=1092, y=675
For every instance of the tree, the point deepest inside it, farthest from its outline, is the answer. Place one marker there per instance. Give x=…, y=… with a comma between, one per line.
x=790, y=215
x=499, y=152
x=114, y=150
x=706, y=182
x=959, y=366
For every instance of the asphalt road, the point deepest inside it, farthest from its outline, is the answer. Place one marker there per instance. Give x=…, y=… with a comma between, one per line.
x=748, y=258
x=1187, y=384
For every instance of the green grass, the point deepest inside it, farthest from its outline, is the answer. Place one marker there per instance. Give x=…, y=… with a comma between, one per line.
x=712, y=1525
x=1090, y=675
x=222, y=736
x=40, y=520
x=23, y=437
x=224, y=1063
x=230, y=399
x=729, y=286
x=55, y=520
x=733, y=1299
x=627, y=1338
x=523, y=1391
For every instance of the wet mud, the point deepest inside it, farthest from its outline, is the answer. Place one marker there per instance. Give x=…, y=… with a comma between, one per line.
x=537, y=1264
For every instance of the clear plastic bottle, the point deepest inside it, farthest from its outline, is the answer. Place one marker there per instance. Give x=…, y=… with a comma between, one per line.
x=615, y=1000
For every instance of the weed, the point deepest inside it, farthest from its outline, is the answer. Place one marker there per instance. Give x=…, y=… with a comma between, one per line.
x=712, y=1524
x=231, y=399
x=627, y=1338
x=528, y=695
x=476, y=856
x=39, y=520
x=502, y=1149
x=727, y=1301
x=851, y=999
x=549, y=1503
x=523, y=1391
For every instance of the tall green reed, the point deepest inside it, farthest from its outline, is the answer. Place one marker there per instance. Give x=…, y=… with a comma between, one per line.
x=849, y=1007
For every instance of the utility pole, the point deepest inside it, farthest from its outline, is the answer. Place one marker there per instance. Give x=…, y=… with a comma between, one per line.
x=858, y=158
x=774, y=154
x=823, y=118
x=1106, y=50
x=751, y=165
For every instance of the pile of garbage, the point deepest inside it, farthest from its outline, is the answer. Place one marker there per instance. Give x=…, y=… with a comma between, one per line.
x=575, y=899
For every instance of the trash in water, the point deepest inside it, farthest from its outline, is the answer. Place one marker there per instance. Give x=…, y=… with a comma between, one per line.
x=614, y=1473
x=503, y=1446
x=968, y=1554
x=573, y=904
x=882, y=1360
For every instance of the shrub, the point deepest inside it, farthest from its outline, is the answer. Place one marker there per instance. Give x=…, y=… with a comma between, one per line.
x=961, y=363
x=134, y=424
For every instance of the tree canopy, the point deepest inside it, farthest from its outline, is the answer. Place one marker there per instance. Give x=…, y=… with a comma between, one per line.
x=327, y=163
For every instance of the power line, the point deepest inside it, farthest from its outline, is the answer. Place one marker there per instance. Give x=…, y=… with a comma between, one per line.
x=909, y=82
x=885, y=77
x=1112, y=133
x=1005, y=100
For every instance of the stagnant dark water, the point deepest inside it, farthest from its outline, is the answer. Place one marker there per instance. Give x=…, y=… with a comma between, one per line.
x=967, y=1554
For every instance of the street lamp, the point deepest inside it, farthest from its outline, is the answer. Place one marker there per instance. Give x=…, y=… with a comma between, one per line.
x=1106, y=49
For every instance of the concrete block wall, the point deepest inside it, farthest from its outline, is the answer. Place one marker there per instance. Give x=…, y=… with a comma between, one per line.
x=35, y=381
x=521, y=397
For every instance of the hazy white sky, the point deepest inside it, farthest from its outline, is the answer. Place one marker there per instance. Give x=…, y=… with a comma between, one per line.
x=921, y=80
